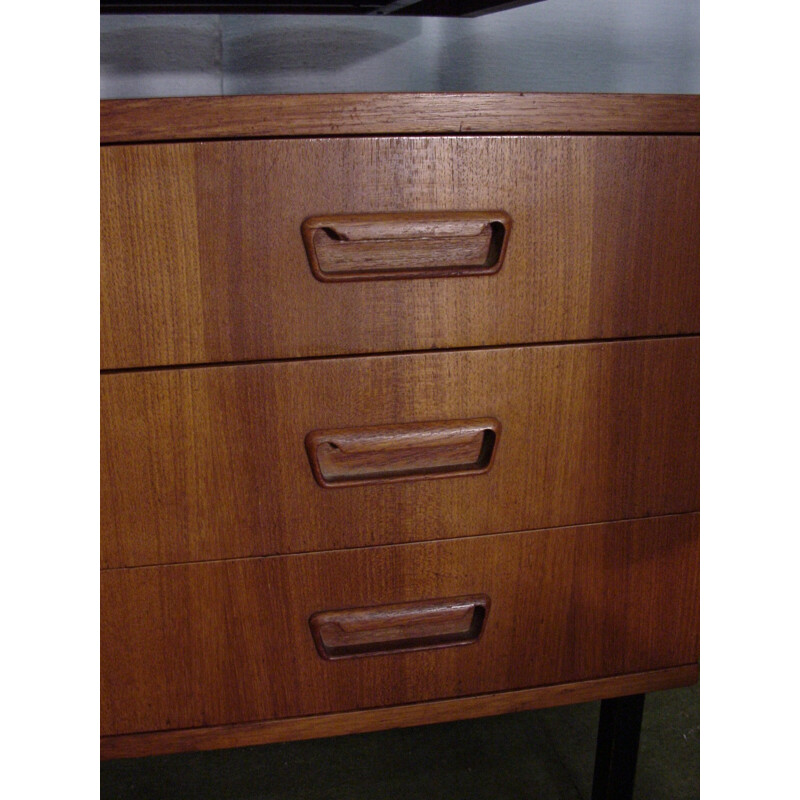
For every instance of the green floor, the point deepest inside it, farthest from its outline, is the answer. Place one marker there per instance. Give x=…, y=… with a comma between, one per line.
x=534, y=754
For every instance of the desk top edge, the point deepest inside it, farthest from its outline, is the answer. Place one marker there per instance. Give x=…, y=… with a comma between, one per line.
x=286, y=115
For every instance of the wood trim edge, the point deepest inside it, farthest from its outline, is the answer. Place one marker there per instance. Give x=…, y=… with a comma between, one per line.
x=263, y=116
x=296, y=728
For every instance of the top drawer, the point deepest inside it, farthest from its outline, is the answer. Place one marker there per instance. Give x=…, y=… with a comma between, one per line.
x=203, y=258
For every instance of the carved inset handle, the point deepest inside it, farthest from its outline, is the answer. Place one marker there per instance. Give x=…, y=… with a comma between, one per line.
x=347, y=456
x=408, y=245
x=395, y=628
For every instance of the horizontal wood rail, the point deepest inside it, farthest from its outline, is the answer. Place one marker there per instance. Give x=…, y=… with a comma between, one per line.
x=313, y=727
x=186, y=118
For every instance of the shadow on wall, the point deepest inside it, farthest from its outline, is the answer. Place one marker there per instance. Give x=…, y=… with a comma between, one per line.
x=285, y=49
x=170, y=55
x=549, y=62
x=162, y=47
x=559, y=46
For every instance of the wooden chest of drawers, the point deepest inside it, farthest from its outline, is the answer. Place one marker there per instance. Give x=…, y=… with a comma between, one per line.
x=399, y=410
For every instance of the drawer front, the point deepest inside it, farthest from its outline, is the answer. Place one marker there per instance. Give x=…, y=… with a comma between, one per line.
x=258, y=459
x=230, y=641
x=203, y=258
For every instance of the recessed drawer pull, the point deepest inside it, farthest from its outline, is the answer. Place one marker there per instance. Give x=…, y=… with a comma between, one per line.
x=394, y=628
x=348, y=456
x=408, y=245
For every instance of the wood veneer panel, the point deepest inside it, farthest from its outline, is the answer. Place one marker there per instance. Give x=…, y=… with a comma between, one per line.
x=211, y=462
x=229, y=641
x=313, y=727
x=363, y=114
x=203, y=259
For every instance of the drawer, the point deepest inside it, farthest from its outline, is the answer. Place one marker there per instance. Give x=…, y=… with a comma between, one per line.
x=230, y=641
x=236, y=461
x=203, y=257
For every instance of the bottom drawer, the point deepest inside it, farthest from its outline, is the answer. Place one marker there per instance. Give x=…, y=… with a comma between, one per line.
x=213, y=643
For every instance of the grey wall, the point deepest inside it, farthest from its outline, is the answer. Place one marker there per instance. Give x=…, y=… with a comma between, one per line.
x=553, y=46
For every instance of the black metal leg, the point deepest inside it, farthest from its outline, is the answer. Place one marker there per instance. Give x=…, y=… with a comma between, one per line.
x=617, y=747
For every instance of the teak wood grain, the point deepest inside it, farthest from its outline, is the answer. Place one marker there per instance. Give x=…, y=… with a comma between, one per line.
x=229, y=641
x=295, y=728
x=401, y=246
x=415, y=451
x=203, y=260
x=379, y=630
x=211, y=462
x=382, y=113
x=262, y=524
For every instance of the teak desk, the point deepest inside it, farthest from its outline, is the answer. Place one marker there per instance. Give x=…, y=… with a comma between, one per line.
x=399, y=413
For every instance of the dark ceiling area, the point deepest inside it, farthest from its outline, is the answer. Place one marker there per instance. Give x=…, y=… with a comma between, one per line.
x=417, y=8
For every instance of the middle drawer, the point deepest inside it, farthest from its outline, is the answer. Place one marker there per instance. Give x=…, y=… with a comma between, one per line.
x=207, y=463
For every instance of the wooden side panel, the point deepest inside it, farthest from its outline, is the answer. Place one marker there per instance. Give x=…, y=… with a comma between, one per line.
x=203, y=259
x=229, y=641
x=211, y=462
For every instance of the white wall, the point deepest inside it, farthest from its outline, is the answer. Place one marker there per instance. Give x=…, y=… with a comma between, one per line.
x=552, y=46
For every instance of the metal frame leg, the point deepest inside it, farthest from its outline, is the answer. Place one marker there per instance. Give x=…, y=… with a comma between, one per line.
x=617, y=747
